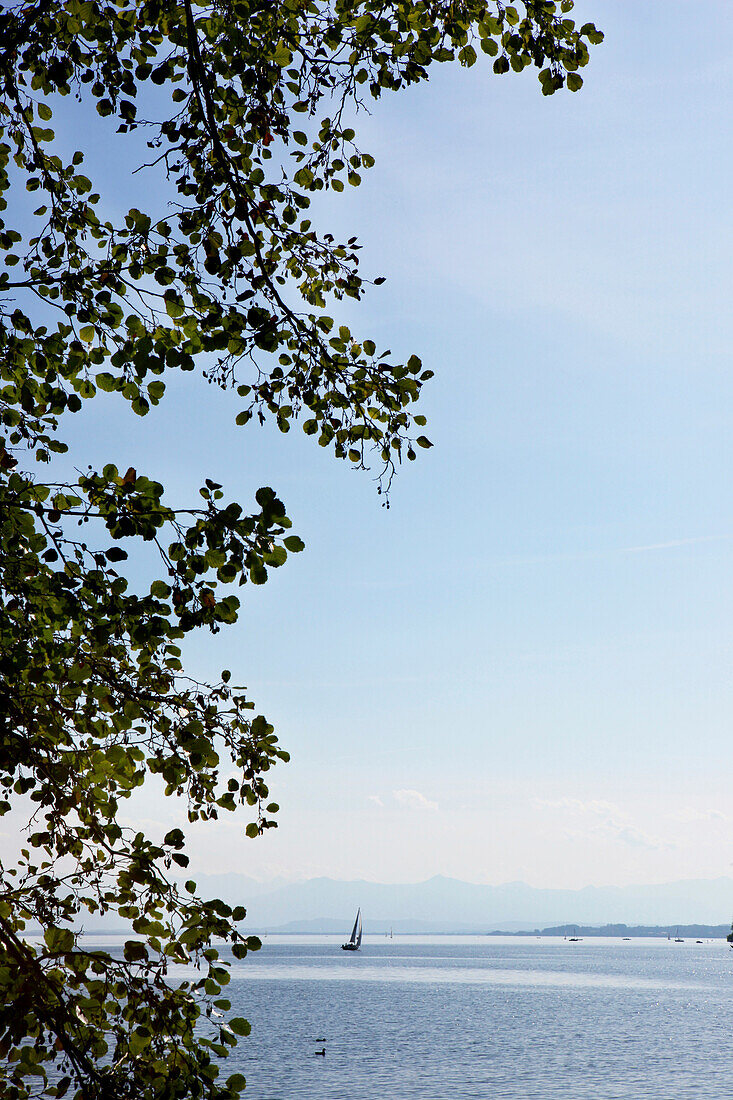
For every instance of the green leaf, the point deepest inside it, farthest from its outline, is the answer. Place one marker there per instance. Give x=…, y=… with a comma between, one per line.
x=173, y=305
x=281, y=55
x=106, y=382
x=156, y=390
x=135, y=951
x=59, y=940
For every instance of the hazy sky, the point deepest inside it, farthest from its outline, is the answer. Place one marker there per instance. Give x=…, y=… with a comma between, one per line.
x=522, y=669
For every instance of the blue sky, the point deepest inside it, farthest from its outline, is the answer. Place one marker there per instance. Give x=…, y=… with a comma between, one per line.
x=522, y=669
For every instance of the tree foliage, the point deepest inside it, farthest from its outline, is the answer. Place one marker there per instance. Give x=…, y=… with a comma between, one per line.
x=247, y=107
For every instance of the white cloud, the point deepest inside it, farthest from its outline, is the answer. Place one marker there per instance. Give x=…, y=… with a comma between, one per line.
x=690, y=816
x=414, y=800
x=603, y=820
x=375, y=799
x=629, y=835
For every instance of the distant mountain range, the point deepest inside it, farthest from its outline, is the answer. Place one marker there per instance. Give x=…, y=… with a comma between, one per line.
x=448, y=905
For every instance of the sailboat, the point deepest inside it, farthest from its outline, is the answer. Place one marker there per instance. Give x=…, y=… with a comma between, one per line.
x=354, y=942
x=729, y=937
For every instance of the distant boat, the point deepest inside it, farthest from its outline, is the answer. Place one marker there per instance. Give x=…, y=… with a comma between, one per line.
x=678, y=938
x=729, y=937
x=354, y=942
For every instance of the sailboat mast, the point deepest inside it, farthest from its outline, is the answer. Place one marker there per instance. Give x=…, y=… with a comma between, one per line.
x=354, y=941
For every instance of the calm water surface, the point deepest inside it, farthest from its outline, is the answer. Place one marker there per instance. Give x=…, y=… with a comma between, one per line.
x=462, y=1018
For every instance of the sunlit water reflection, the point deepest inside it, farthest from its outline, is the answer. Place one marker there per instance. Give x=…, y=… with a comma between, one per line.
x=463, y=1018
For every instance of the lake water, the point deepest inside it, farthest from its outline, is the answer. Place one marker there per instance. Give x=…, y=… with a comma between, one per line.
x=467, y=1018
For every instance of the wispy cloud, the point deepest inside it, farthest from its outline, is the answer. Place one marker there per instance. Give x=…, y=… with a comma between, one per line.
x=596, y=555
x=414, y=800
x=375, y=799
x=671, y=544
x=577, y=805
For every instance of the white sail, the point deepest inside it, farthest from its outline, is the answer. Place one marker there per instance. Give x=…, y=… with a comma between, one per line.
x=358, y=938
